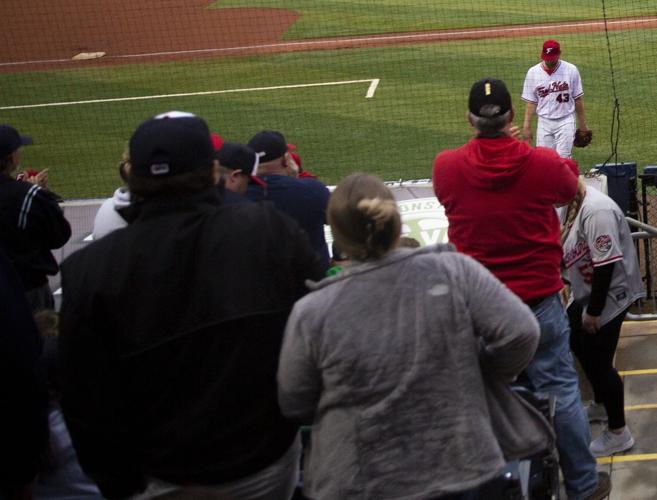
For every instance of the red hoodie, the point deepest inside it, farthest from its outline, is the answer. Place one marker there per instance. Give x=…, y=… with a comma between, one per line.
x=499, y=196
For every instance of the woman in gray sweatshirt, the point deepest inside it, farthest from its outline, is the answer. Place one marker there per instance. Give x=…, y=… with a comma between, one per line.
x=401, y=363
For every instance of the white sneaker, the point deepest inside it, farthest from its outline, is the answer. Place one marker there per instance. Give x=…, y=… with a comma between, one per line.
x=596, y=412
x=609, y=443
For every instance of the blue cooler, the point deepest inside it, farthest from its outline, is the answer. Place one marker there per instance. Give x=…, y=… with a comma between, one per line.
x=621, y=185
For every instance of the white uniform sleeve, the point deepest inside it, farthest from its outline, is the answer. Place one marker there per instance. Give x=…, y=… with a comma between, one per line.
x=528, y=88
x=602, y=235
x=576, y=87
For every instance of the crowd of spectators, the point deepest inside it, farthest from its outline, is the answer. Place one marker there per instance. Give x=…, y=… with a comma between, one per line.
x=207, y=323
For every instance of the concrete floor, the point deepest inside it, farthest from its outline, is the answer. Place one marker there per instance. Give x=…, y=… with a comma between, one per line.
x=634, y=473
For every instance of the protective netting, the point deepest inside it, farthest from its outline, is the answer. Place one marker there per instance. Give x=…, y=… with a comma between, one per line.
x=371, y=85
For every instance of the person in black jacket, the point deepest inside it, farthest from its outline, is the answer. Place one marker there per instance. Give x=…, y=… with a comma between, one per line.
x=171, y=328
x=23, y=394
x=31, y=222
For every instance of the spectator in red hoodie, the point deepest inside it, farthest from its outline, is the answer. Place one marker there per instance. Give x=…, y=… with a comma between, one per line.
x=499, y=195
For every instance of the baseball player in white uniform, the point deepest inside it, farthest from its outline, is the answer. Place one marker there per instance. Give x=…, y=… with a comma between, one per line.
x=553, y=90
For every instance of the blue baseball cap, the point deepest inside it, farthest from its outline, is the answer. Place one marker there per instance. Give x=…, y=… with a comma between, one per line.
x=170, y=144
x=11, y=140
x=268, y=145
x=235, y=156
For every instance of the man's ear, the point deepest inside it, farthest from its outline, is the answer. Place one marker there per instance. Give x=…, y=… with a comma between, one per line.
x=16, y=158
x=235, y=175
x=513, y=114
x=291, y=166
x=468, y=117
x=216, y=171
x=124, y=170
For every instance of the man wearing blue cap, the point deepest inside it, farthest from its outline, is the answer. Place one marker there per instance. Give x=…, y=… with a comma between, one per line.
x=305, y=200
x=171, y=329
x=31, y=222
x=238, y=165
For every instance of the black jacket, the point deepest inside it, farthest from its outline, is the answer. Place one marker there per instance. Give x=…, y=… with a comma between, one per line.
x=23, y=395
x=31, y=224
x=169, y=343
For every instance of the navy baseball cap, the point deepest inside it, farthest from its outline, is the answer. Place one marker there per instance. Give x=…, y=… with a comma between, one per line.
x=268, y=145
x=489, y=92
x=170, y=144
x=11, y=140
x=238, y=157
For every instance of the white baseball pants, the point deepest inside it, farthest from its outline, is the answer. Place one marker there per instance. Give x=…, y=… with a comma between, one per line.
x=557, y=134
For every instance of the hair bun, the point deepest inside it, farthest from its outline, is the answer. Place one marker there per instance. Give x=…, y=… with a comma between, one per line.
x=380, y=211
x=363, y=216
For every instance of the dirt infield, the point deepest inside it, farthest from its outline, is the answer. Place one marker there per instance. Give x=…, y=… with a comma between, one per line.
x=50, y=35
x=164, y=30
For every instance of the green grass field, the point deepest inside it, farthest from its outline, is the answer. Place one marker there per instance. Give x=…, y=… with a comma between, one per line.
x=418, y=108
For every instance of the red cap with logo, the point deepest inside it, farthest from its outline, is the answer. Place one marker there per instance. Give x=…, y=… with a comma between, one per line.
x=551, y=51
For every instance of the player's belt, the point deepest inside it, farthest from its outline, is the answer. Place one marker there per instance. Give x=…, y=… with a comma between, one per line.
x=555, y=119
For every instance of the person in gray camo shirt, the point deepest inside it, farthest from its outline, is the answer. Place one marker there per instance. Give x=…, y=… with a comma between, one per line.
x=601, y=266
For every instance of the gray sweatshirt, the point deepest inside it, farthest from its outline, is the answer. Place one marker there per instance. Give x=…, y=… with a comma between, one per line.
x=402, y=367
x=107, y=218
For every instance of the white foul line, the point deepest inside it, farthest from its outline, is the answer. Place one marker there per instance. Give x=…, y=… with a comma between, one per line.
x=372, y=89
x=370, y=92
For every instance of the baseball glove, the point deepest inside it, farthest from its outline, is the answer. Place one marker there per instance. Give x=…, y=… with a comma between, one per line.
x=583, y=138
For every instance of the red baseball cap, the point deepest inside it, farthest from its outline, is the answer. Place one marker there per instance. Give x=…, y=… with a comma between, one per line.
x=217, y=141
x=551, y=51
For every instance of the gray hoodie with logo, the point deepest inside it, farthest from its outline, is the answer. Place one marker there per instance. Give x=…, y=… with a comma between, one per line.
x=402, y=366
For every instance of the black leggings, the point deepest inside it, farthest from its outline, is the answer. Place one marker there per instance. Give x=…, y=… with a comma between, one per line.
x=595, y=353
